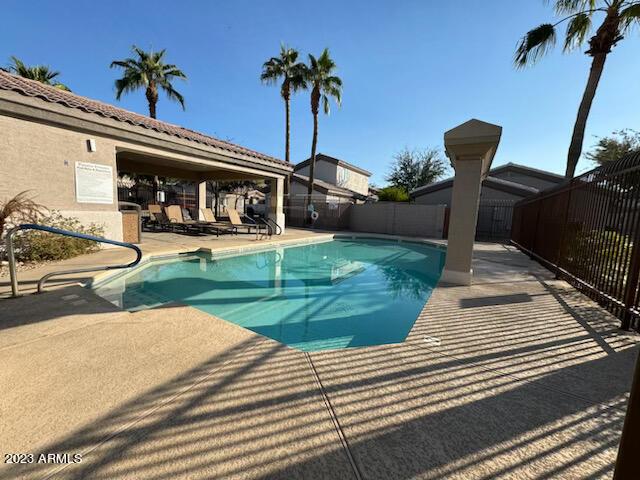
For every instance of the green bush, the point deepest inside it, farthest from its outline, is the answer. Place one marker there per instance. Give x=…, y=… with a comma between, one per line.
x=393, y=194
x=585, y=248
x=34, y=246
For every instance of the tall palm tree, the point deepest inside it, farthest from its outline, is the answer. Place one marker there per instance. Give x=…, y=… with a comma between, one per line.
x=287, y=68
x=148, y=71
x=618, y=17
x=39, y=73
x=324, y=84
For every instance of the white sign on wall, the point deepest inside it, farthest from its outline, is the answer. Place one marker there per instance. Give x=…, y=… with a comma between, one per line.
x=94, y=183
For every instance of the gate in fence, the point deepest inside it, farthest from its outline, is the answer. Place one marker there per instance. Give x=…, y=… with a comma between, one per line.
x=494, y=220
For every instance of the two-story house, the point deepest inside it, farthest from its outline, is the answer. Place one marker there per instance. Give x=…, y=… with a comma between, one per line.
x=336, y=181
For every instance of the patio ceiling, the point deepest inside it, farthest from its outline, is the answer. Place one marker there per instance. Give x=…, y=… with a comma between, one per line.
x=185, y=168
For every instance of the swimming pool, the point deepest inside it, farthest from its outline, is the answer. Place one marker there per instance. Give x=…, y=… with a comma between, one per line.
x=336, y=294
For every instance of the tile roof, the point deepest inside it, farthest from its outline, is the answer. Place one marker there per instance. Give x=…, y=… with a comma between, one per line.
x=50, y=94
x=337, y=161
x=491, y=179
x=494, y=182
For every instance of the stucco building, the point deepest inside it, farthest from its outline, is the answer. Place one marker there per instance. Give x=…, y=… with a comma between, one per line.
x=335, y=180
x=509, y=183
x=67, y=150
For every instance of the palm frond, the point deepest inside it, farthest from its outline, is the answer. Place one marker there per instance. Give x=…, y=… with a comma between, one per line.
x=577, y=31
x=630, y=15
x=146, y=69
x=39, y=73
x=285, y=68
x=320, y=74
x=172, y=93
x=141, y=53
x=61, y=86
x=335, y=92
x=325, y=104
x=173, y=71
x=535, y=44
x=572, y=6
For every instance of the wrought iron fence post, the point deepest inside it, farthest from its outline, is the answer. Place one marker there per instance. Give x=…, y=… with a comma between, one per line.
x=632, y=281
x=627, y=464
x=535, y=230
x=563, y=235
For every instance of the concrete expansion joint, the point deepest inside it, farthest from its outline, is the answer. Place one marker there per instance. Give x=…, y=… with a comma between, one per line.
x=334, y=418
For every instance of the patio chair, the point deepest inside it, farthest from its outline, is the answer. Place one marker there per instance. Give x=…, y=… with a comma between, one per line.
x=157, y=219
x=174, y=214
x=210, y=218
x=237, y=222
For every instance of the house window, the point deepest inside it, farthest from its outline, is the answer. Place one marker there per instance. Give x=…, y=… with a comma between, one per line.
x=342, y=177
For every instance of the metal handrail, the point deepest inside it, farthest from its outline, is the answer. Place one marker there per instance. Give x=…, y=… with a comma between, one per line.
x=266, y=224
x=278, y=228
x=32, y=226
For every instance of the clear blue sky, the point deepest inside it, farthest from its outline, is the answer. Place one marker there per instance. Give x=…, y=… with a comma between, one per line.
x=411, y=70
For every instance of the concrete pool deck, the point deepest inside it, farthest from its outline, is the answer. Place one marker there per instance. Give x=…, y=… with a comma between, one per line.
x=517, y=376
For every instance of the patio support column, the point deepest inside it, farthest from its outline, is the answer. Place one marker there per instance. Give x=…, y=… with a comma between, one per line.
x=201, y=198
x=276, y=202
x=471, y=148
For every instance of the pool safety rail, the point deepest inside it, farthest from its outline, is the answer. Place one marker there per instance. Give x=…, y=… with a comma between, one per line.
x=271, y=225
x=15, y=292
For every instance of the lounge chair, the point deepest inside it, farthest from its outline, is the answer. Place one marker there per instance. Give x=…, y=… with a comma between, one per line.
x=210, y=218
x=157, y=219
x=237, y=222
x=174, y=214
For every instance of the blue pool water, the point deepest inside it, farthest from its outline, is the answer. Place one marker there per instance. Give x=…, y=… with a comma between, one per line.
x=337, y=294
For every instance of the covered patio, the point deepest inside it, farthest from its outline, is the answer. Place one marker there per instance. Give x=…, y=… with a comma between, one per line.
x=202, y=175
x=77, y=147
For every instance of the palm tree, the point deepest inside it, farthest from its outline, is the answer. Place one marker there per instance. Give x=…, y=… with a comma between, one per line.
x=287, y=68
x=150, y=72
x=619, y=17
x=39, y=73
x=324, y=85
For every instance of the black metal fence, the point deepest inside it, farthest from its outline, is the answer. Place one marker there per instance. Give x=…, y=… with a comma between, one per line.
x=142, y=194
x=494, y=220
x=588, y=231
x=330, y=215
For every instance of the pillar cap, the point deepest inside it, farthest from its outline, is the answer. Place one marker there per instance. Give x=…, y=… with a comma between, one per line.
x=472, y=140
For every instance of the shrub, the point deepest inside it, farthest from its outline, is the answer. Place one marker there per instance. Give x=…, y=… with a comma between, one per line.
x=19, y=209
x=393, y=194
x=585, y=248
x=37, y=246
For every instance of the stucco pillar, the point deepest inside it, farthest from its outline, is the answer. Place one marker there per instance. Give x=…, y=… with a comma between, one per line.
x=471, y=148
x=201, y=198
x=276, y=202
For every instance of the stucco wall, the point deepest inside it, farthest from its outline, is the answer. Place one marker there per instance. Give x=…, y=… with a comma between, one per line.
x=298, y=192
x=490, y=194
x=339, y=176
x=398, y=219
x=439, y=197
x=524, y=179
x=347, y=178
x=41, y=159
x=324, y=171
x=443, y=196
